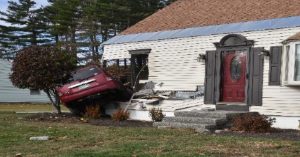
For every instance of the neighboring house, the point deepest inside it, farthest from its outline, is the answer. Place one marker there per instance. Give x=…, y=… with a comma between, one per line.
x=11, y=94
x=242, y=52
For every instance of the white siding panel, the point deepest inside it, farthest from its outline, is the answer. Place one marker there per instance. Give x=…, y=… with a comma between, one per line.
x=278, y=100
x=174, y=61
x=9, y=93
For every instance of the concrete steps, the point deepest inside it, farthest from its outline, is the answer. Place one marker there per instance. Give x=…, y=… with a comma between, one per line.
x=201, y=114
x=201, y=121
x=202, y=127
x=232, y=107
x=196, y=120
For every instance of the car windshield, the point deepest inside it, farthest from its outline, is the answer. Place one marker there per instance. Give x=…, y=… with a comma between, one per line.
x=86, y=73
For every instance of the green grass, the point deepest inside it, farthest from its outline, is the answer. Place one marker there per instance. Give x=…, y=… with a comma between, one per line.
x=13, y=107
x=84, y=140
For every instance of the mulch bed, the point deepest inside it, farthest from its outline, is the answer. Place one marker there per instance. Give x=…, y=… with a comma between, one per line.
x=281, y=134
x=69, y=118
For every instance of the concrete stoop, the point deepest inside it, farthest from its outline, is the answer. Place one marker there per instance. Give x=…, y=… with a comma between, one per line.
x=201, y=121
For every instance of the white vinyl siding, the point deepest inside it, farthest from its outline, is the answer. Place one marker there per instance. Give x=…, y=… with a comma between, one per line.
x=11, y=94
x=278, y=100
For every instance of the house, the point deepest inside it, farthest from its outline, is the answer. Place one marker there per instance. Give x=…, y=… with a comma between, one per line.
x=241, y=52
x=11, y=94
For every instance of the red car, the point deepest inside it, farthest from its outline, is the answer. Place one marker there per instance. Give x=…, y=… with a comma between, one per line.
x=94, y=84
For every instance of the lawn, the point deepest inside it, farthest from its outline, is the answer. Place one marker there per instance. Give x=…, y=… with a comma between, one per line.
x=79, y=139
x=13, y=107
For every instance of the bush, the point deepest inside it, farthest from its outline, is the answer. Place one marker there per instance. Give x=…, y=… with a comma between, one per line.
x=93, y=111
x=252, y=122
x=43, y=68
x=156, y=114
x=120, y=115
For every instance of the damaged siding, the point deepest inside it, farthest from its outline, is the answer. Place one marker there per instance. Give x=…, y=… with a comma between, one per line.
x=173, y=62
x=278, y=100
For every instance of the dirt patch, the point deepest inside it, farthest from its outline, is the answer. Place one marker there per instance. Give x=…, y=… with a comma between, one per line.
x=69, y=118
x=283, y=134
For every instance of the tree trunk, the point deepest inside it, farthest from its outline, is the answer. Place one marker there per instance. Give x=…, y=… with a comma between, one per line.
x=54, y=98
x=34, y=38
x=96, y=47
x=73, y=42
x=56, y=39
x=93, y=47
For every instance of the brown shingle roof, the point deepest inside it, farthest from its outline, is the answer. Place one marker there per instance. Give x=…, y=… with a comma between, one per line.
x=294, y=37
x=195, y=13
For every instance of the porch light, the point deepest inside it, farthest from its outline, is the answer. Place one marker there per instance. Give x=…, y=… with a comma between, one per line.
x=201, y=57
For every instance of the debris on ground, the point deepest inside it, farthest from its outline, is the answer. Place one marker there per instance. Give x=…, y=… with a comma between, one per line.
x=18, y=155
x=39, y=138
x=148, y=96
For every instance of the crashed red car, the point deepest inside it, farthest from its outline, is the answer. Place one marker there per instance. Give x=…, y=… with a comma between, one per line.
x=92, y=83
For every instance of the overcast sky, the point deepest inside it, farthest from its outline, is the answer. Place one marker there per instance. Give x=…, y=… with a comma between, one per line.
x=3, y=4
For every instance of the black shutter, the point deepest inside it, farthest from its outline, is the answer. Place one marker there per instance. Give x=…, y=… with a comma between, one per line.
x=209, y=95
x=256, y=65
x=275, y=65
x=218, y=77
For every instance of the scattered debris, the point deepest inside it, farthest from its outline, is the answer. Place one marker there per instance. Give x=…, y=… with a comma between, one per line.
x=39, y=138
x=148, y=96
x=144, y=93
x=218, y=131
x=18, y=155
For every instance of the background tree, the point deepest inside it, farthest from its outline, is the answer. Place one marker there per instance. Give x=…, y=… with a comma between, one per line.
x=64, y=17
x=25, y=26
x=74, y=25
x=43, y=68
x=89, y=23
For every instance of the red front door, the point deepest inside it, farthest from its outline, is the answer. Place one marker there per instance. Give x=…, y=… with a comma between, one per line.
x=234, y=77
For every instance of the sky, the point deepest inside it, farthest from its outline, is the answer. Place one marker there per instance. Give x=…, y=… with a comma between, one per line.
x=3, y=5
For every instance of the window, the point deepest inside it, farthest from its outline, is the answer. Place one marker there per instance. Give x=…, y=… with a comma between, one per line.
x=236, y=68
x=139, y=65
x=291, y=68
x=35, y=92
x=85, y=73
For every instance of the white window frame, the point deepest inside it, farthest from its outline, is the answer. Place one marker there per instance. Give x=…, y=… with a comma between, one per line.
x=290, y=62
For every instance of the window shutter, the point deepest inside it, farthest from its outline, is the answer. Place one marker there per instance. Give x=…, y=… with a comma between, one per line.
x=275, y=65
x=256, y=77
x=209, y=95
